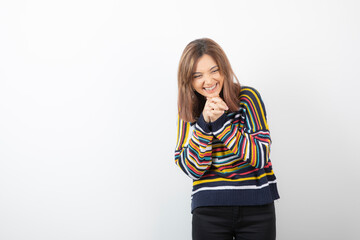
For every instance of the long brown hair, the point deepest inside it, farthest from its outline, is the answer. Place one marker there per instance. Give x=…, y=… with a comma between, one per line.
x=190, y=103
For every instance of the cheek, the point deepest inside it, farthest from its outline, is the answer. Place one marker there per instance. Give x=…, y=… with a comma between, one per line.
x=196, y=84
x=219, y=77
x=193, y=85
x=222, y=83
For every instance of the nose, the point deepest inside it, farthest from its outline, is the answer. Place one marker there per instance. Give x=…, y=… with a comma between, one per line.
x=207, y=79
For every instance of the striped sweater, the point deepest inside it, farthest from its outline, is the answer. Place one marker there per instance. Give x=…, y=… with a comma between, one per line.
x=228, y=159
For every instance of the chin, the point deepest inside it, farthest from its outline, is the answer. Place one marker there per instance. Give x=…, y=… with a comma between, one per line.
x=214, y=94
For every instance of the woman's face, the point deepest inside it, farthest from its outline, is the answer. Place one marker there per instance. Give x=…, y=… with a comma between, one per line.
x=207, y=79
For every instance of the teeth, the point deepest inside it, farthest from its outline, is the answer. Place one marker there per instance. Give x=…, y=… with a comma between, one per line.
x=210, y=88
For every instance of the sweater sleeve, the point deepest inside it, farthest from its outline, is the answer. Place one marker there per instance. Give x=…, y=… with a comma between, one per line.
x=194, y=147
x=247, y=135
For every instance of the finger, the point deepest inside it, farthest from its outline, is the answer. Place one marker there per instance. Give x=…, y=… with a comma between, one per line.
x=223, y=105
x=209, y=107
x=215, y=99
x=219, y=106
x=212, y=105
x=217, y=112
x=207, y=103
x=220, y=102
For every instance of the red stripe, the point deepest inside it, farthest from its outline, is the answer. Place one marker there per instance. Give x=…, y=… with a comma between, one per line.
x=253, y=113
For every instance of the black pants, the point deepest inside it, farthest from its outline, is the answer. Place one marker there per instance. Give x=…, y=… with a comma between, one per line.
x=230, y=222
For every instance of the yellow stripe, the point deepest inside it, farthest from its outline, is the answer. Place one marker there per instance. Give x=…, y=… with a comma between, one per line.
x=186, y=132
x=218, y=154
x=232, y=180
x=225, y=131
x=261, y=109
x=231, y=169
x=256, y=113
x=178, y=133
x=203, y=136
x=246, y=146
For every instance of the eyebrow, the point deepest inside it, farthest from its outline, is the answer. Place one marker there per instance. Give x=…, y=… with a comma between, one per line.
x=210, y=69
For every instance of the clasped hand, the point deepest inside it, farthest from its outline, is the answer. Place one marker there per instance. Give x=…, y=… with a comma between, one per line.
x=214, y=108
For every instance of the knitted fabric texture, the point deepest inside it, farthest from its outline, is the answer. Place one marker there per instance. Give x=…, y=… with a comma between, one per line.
x=228, y=159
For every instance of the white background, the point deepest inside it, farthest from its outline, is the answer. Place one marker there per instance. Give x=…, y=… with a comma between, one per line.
x=88, y=95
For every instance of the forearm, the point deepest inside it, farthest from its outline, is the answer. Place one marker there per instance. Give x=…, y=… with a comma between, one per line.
x=193, y=155
x=252, y=147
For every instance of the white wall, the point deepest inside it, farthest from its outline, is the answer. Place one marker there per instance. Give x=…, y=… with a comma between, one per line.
x=88, y=113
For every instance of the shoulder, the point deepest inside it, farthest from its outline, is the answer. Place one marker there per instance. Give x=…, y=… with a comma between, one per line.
x=251, y=92
x=251, y=98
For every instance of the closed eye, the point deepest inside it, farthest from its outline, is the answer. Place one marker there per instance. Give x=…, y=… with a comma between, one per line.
x=197, y=76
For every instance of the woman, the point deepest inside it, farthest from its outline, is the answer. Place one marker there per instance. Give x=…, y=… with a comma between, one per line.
x=223, y=144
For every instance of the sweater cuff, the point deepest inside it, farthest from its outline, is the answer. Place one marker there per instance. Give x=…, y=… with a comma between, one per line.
x=204, y=125
x=219, y=123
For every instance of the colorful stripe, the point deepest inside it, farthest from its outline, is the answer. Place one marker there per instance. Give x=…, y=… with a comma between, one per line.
x=234, y=156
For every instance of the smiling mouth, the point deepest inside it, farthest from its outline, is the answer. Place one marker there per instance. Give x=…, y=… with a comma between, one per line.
x=211, y=88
